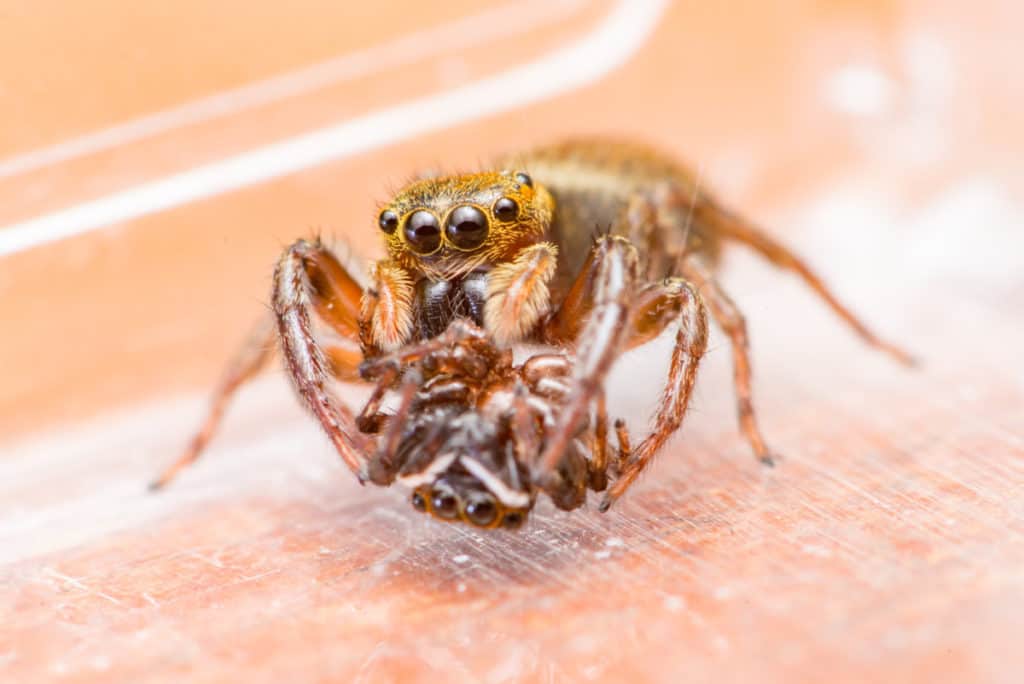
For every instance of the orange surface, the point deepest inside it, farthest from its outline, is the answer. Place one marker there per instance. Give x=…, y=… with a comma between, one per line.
x=879, y=138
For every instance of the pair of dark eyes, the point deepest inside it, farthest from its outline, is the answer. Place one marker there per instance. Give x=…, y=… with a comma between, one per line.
x=481, y=510
x=466, y=227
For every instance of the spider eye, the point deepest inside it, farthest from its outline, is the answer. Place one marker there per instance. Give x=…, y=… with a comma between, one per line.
x=467, y=227
x=512, y=520
x=418, y=502
x=443, y=503
x=506, y=209
x=524, y=179
x=388, y=221
x=481, y=510
x=423, y=233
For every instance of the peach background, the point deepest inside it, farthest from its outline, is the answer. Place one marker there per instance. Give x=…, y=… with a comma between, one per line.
x=881, y=139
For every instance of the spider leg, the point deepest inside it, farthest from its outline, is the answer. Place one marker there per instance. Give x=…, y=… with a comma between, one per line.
x=442, y=348
x=732, y=322
x=599, y=463
x=622, y=436
x=327, y=289
x=614, y=265
x=294, y=298
x=250, y=359
x=728, y=225
x=673, y=300
x=382, y=468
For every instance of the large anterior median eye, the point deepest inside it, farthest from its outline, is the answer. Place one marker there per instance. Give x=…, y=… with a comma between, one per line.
x=443, y=502
x=423, y=233
x=481, y=510
x=467, y=227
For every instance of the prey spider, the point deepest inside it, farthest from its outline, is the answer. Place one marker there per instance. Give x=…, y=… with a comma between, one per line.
x=469, y=424
x=518, y=253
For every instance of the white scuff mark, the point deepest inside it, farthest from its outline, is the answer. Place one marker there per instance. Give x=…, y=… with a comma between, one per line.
x=673, y=604
x=860, y=89
x=603, y=554
x=618, y=36
x=815, y=550
x=615, y=542
x=461, y=559
x=723, y=593
x=78, y=584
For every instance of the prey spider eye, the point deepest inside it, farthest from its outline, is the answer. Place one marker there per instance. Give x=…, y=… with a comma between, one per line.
x=388, y=221
x=418, y=502
x=444, y=503
x=506, y=209
x=467, y=227
x=423, y=233
x=481, y=511
x=524, y=179
x=512, y=520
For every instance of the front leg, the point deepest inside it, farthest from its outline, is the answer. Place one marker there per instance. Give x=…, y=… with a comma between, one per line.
x=332, y=293
x=614, y=264
x=306, y=363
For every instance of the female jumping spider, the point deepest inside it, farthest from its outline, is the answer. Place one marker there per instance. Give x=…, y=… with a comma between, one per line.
x=514, y=251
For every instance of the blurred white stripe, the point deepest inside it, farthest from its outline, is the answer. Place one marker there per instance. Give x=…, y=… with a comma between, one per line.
x=505, y=21
x=619, y=35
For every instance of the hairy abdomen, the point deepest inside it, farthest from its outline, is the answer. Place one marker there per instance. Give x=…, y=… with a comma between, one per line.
x=593, y=182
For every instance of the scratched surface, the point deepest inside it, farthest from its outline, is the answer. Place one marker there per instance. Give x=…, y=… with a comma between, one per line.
x=888, y=545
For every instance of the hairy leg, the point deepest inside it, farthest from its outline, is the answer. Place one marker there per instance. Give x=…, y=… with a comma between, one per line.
x=673, y=301
x=622, y=437
x=732, y=322
x=252, y=357
x=443, y=348
x=333, y=294
x=729, y=226
x=598, y=345
x=294, y=299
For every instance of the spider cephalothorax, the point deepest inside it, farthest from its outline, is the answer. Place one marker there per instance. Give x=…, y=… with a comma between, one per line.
x=454, y=246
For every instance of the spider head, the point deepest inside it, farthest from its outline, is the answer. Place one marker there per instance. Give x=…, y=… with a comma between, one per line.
x=448, y=226
x=462, y=468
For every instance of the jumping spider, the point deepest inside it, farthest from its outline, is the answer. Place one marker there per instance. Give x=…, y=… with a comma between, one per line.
x=519, y=253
